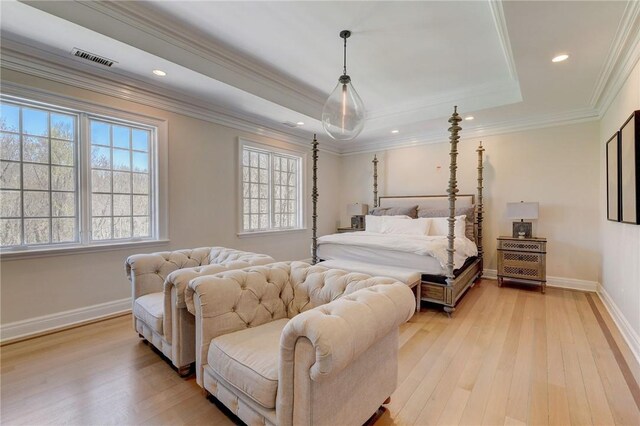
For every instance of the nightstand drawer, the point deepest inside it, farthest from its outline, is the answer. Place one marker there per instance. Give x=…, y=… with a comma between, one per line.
x=532, y=272
x=518, y=259
x=515, y=245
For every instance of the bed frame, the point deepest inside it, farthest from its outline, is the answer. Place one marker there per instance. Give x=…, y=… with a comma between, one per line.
x=456, y=283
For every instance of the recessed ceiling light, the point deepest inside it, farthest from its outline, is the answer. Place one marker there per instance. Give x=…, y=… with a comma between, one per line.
x=395, y=131
x=560, y=58
x=469, y=117
x=159, y=73
x=300, y=123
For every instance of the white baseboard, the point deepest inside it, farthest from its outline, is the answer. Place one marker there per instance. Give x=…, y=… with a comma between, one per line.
x=628, y=333
x=19, y=330
x=560, y=282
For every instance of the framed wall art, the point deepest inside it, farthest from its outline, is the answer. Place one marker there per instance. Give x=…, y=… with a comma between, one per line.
x=613, y=178
x=629, y=153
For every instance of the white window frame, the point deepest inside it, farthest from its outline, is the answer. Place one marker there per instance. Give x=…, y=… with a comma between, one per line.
x=159, y=172
x=284, y=149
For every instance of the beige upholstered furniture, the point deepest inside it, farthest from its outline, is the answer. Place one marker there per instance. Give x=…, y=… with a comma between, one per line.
x=158, y=282
x=295, y=344
x=410, y=277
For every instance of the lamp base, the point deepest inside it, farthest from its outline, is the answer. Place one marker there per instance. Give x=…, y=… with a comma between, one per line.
x=522, y=229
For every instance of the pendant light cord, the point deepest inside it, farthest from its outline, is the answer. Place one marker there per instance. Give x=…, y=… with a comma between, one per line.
x=344, y=70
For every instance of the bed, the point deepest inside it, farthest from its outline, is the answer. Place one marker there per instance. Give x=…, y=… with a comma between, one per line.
x=448, y=265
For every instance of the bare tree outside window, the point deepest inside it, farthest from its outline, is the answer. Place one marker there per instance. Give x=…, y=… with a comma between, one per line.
x=38, y=170
x=42, y=201
x=270, y=190
x=120, y=181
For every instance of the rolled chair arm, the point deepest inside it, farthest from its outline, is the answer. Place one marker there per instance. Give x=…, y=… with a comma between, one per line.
x=342, y=330
x=147, y=272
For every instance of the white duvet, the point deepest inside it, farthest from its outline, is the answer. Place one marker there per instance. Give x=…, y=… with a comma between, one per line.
x=423, y=245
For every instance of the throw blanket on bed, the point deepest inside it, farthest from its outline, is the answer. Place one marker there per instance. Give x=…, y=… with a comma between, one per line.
x=419, y=244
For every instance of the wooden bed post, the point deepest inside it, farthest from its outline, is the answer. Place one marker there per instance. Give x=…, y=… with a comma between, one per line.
x=375, y=180
x=314, y=198
x=452, y=190
x=480, y=211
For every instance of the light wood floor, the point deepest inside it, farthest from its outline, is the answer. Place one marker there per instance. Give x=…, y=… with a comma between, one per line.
x=508, y=356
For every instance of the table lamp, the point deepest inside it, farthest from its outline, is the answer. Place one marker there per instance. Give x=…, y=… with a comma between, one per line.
x=522, y=211
x=357, y=212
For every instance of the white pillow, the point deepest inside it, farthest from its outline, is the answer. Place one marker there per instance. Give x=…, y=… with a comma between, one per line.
x=440, y=226
x=400, y=226
x=374, y=223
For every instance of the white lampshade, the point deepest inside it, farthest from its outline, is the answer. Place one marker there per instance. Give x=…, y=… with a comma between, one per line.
x=522, y=210
x=357, y=209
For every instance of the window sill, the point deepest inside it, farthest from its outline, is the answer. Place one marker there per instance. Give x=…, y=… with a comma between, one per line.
x=267, y=233
x=76, y=249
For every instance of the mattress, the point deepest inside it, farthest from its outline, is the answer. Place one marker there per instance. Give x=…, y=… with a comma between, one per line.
x=421, y=263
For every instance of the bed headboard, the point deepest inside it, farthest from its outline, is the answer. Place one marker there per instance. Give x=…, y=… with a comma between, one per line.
x=427, y=202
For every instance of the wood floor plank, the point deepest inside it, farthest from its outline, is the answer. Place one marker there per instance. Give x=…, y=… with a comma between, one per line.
x=538, y=397
x=621, y=401
x=508, y=356
x=476, y=405
x=517, y=406
x=598, y=404
x=556, y=379
x=435, y=363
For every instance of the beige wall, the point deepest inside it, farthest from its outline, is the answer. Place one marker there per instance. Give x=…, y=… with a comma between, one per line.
x=556, y=166
x=202, y=212
x=620, y=242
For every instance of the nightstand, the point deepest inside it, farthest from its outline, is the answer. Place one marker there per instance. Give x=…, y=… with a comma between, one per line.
x=343, y=230
x=523, y=259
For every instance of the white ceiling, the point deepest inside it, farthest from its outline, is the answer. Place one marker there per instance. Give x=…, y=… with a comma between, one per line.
x=271, y=62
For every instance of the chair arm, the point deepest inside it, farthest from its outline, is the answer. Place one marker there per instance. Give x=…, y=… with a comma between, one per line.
x=147, y=272
x=342, y=330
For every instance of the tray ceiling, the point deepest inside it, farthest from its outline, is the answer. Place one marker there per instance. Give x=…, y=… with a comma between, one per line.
x=275, y=62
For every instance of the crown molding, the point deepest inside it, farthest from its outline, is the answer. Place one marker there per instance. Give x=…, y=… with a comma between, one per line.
x=530, y=123
x=66, y=71
x=623, y=55
x=503, y=34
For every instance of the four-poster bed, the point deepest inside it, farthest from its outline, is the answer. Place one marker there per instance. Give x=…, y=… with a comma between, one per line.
x=447, y=266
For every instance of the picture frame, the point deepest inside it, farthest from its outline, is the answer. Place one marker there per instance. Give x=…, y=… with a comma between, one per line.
x=629, y=174
x=613, y=177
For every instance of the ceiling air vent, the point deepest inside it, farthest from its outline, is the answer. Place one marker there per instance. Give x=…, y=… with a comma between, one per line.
x=92, y=57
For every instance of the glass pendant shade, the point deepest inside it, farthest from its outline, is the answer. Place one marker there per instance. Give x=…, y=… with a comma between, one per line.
x=343, y=114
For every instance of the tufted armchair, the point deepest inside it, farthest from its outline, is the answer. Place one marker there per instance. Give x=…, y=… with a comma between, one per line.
x=291, y=343
x=158, y=282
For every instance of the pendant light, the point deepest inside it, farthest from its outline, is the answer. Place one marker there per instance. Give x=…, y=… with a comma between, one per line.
x=343, y=114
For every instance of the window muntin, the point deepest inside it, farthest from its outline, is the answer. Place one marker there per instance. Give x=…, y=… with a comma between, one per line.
x=38, y=176
x=120, y=178
x=271, y=185
x=46, y=153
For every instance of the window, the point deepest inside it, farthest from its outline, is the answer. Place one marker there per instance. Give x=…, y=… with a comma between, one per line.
x=120, y=181
x=50, y=196
x=271, y=189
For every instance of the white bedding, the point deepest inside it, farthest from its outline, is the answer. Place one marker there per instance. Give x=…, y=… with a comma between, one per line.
x=373, y=247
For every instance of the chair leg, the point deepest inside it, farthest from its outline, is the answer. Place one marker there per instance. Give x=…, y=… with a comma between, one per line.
x=184, y=371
